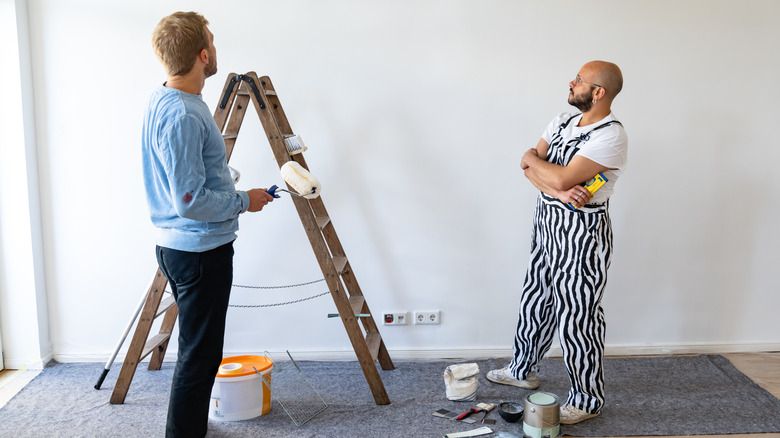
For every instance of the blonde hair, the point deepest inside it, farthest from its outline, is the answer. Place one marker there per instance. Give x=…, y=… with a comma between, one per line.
x=178, y=39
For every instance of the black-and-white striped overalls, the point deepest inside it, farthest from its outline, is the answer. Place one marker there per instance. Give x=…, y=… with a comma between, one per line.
x=567, y=272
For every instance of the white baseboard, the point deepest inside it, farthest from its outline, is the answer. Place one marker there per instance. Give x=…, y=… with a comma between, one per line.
x=451, y=354
x=37, y=364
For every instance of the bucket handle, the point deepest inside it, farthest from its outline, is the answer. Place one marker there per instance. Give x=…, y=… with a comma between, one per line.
x=267, y=376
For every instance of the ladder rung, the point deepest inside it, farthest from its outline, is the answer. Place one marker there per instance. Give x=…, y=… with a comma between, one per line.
x=165, y=305
x=229, y=136
x=242, y=93
x=270, y=93
x=373, y=340
x=356, y=302
x=154, y=342
x=340, y=263
x=322, y=221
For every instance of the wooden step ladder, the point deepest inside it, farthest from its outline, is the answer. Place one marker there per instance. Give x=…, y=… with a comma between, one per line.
x=367, y=342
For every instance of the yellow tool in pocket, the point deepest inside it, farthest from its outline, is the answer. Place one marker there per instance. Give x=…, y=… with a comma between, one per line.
x=593, y=184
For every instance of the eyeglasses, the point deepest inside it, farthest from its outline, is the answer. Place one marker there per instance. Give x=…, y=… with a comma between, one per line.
x=578, y=80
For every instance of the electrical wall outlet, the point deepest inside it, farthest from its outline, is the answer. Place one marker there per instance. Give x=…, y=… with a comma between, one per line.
x=427, y=317
x=395, y=318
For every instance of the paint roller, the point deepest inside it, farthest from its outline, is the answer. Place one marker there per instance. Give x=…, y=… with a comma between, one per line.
x=300, y=179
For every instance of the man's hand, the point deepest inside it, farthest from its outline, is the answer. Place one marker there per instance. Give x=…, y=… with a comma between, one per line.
x=577, y=196
x=258, y=198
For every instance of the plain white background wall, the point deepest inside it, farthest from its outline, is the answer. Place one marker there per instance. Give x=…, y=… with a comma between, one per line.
x=23, y=297
x=416, y=114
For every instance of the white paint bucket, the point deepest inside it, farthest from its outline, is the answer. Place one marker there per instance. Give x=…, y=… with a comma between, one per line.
x=542, y=415
x=239, y=392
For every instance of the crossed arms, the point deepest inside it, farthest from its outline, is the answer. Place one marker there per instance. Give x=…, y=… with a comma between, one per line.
x=562, y=182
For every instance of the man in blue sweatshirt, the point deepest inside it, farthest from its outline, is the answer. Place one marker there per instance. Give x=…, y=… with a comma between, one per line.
x=194, y=203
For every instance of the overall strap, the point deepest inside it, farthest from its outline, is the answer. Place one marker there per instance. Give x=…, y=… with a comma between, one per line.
x=561, y=152
x=563, y=125
x=586, y=136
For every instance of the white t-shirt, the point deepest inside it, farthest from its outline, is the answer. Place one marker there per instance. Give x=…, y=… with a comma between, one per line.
x=607, y=146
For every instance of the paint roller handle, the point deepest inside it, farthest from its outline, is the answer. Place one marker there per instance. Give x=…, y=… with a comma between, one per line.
x=274, y=188
x=272, y=191
x=258, y=198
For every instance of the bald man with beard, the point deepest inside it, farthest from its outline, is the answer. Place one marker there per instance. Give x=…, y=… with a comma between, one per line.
x=571, y=243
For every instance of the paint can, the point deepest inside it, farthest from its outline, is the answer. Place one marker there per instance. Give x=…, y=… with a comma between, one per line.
x=242, y=388
x=542, y=415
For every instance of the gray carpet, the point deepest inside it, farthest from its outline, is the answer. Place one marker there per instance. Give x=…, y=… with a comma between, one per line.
x=646, y=396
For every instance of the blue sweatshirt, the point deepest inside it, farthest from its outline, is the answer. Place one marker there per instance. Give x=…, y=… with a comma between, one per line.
x=192, y=198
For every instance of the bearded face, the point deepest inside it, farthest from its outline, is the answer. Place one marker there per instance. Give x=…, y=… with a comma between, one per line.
x=583, y=100
x=211, y=68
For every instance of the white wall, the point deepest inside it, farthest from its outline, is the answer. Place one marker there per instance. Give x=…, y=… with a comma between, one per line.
x=23, y=301
x=416, y=114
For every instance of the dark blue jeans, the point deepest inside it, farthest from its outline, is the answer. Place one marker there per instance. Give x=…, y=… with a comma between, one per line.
x=201, y=283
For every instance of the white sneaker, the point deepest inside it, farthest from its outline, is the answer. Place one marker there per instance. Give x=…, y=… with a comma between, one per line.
x=572, y=415
x=502, y=376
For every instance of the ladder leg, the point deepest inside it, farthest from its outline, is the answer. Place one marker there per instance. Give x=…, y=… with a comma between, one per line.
x=369, y=324
x=367, y=363
x=153, y=298
x=327, y=248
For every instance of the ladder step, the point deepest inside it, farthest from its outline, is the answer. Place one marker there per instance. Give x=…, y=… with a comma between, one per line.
x=322, y=221
x=340, y=263
x=270, y=93
x=154, y=342
x=356, y=303
x=373, y=340
x=229, y=136
x=165, y=305
x=242, y=93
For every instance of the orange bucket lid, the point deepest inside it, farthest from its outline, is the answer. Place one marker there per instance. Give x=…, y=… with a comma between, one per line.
x=238, y=366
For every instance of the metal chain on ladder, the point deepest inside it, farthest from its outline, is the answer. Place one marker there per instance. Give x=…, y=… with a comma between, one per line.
x=244, y=306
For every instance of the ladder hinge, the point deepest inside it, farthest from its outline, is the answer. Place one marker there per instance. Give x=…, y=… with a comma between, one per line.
x=229, y=90
x=255, y=90
x=235, y=80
